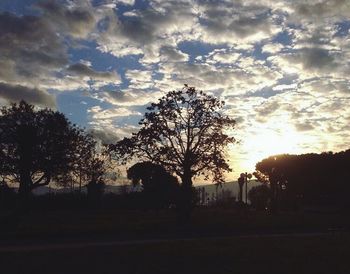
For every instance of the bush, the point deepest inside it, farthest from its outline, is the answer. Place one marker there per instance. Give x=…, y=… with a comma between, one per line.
x=259, y=197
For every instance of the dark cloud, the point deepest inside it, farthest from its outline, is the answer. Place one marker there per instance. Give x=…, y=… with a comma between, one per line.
x=225, y=21
x=34, y=48
x=138, y=29
x=316, y=58
x=145, y=31
x=172, y=54
x=16, y=93
x=104, y=135
x=304, y=126
x=31, y=38
x=77, y=21
x=84, y=70
x=319, y=9
x=30, y=49
x=267, y=109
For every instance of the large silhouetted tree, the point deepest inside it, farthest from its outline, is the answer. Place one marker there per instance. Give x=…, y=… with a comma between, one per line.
x=185, y=133
x=36, y=146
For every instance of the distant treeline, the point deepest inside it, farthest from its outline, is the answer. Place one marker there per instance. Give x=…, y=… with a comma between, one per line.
x=308, y=179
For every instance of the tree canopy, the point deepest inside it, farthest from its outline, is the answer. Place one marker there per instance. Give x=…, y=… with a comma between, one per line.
x=185, y=133
x=160, y=187
x=311, y=178
x=37, y=146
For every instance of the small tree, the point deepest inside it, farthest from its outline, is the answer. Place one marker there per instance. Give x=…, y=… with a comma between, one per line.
x=160, y=188
x=36, y=146
x=185, y=133
x=259, y=196
x=90, y=166
x=96, y=183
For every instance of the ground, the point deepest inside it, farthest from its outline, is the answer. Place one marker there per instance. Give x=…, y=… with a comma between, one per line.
x=216, y=241
x=265, y=254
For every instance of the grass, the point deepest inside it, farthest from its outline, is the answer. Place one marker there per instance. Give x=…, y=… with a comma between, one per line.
x=223, y=252
x=149, y=224
x=287, y=255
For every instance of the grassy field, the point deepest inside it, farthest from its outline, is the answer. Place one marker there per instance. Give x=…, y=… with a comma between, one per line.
x=251, y=255
x=215, y=241
x=150, y=224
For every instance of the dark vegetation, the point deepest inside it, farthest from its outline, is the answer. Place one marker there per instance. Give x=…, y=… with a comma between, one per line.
x=181, y=137
x=307, y=179
x=160, y=188
x=185, y=133
x=40, y=146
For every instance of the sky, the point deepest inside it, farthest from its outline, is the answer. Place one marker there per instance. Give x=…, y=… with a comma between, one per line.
x=281, y=66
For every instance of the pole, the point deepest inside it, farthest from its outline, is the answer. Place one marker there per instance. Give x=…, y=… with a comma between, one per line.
x=246, y=189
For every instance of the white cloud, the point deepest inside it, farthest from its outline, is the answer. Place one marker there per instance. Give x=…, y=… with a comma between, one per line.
x=272, y=48
x=282, y=66
x=98, y=113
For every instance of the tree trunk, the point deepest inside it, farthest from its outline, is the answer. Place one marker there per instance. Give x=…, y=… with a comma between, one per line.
x=240, y=194
x=24, y=189
x=186, y=199
x=274, y=196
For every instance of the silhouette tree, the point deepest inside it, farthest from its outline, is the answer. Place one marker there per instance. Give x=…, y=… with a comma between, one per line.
x=185, y=133
x=241, y=182
x=244, y=179
x=90, y=166
x=259, y=196
x=160, y=188
x=308, y=178
x=95, y=171
x=36, y=146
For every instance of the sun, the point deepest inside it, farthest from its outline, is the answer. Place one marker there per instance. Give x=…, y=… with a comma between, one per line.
x=266, y=140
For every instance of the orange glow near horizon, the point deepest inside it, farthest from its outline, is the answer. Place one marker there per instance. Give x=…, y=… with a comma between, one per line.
x=266, y=142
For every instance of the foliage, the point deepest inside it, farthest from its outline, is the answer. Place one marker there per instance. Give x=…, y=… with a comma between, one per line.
x=90, y=167
x=160, y=188
x=243, y=179
x=38, y=146
x=308, y=178
x=259, y=196
x=185, y=133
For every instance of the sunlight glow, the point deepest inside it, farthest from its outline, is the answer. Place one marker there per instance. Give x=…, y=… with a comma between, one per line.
x=266, y=140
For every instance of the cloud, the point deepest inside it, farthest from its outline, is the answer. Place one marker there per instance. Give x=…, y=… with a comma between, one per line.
x=281, y=66
x=223, y=56
x=106, y=136
x=304, y=127
x=229, y=22
x=319, y=10
x=98, y=113
x=129, y=97
x=24, y=59
x=244, y=75
x=171, y=54
x=272, y=48
x=16, y=93
x=81, y=69
x=267, y=109
x=75, y=19
x=310, y=62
